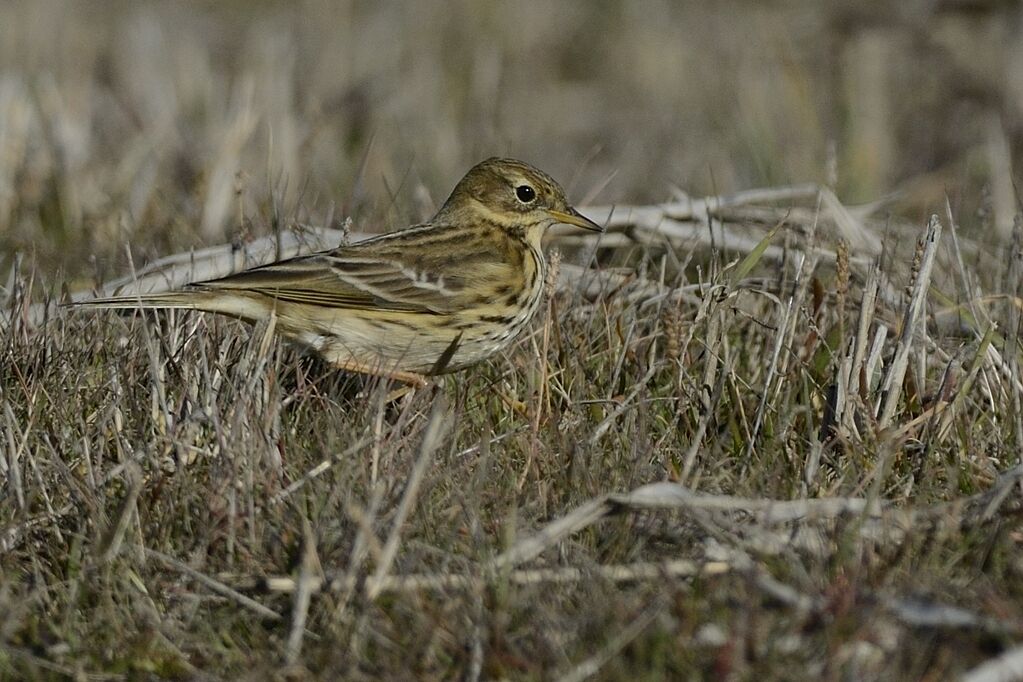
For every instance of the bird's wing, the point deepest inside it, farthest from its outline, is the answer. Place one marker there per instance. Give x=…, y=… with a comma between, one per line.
x=369, y=278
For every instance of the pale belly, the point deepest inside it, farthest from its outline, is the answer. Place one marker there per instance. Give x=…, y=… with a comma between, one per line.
x=384, y=344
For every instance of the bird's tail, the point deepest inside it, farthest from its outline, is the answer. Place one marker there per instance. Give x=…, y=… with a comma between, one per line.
x=192, y=300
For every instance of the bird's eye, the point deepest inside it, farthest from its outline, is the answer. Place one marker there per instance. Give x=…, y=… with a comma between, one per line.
x=525, y=193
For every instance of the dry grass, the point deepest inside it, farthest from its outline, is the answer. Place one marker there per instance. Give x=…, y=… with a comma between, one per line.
x=760, y=434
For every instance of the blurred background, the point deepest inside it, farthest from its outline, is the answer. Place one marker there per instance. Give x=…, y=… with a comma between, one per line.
x=165, y=126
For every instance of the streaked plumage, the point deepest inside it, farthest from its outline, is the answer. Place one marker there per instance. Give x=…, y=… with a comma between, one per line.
x=431, y=298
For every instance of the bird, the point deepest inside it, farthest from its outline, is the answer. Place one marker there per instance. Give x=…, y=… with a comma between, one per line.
x=428, y=299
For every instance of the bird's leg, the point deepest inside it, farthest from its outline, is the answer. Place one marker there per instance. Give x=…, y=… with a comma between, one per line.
x=400, y=392
x=412, y=379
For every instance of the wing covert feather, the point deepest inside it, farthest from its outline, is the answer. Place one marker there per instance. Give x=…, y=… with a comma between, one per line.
x=394, y=278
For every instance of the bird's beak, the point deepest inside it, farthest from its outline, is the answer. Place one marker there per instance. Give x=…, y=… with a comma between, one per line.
x=573, y=217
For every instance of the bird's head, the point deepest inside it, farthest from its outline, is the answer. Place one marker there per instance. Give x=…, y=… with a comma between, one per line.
x=514, y=195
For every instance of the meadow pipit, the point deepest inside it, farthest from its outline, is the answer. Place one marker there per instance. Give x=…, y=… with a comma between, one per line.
x=427, y=299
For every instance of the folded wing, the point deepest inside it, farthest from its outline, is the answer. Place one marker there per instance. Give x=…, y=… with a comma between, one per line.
x=356, y=279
